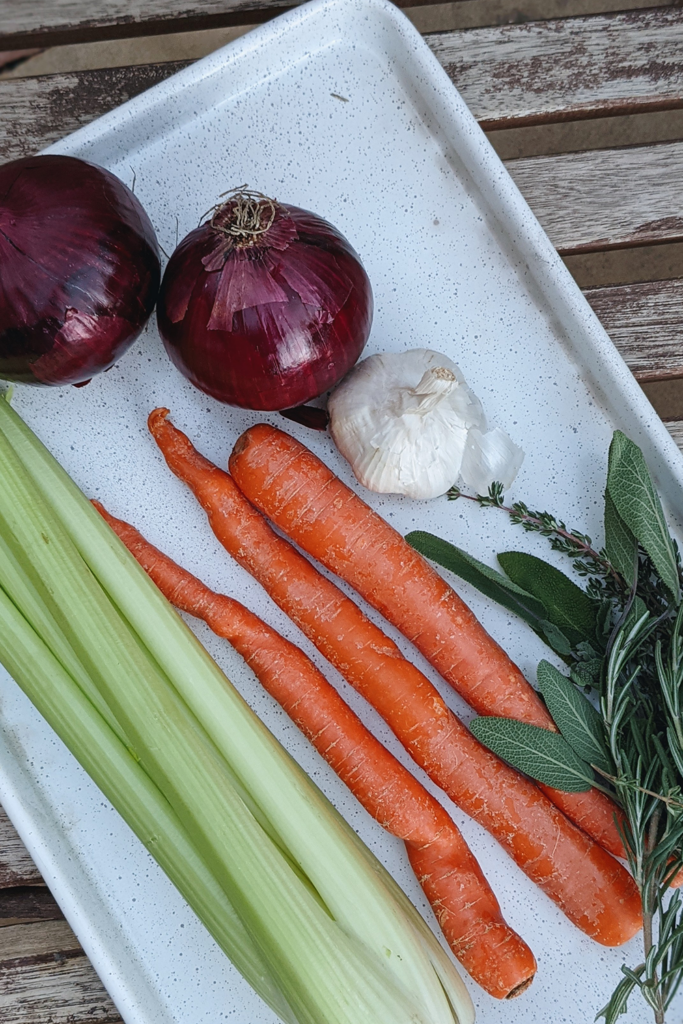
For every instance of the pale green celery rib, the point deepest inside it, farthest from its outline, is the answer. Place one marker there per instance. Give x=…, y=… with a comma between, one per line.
x=375, y=911
x=323, y=973
x=113, y=768
x=23, y=593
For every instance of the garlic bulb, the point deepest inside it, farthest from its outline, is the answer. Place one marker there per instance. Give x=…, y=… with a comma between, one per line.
x=409, y=424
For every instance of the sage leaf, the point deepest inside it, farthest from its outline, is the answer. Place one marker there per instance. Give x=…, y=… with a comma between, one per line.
x=567, y=606
x=620, y=544
x=545, y=756
x=554, y=638
x=603, y=623
x=574, y=716
x=631, y=489
x=490, y=582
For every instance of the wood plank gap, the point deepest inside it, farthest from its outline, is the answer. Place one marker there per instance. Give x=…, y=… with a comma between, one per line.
x=28, y=903
x=589, y=112
x=41, y=938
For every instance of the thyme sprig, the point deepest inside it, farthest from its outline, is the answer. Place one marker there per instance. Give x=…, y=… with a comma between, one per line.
x=578, y=546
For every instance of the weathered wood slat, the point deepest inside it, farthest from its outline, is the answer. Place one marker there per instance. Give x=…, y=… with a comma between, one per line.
x=35, y=112
x=55, y=988
x=16, y=866
x=606, y=198
x=568, y=68
x=645, y=322
x=45, y=977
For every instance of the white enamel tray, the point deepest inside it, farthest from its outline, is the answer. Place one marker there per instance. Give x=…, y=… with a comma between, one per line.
x=338, y=107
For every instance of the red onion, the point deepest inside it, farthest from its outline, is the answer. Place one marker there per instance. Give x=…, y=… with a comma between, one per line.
x=265, y=306
x=79, y=270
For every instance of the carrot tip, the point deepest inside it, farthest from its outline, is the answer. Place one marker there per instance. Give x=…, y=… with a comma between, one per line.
x=157, y=417
x=241, y=443
x=98, y=505
x=520, y=988
x=245, y=439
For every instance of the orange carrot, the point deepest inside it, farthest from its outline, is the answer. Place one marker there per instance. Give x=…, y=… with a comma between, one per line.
x=322, y=515
x=595, y=892
x=464, y=903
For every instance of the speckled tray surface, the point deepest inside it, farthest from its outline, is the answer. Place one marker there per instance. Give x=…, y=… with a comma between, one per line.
x=338, y=107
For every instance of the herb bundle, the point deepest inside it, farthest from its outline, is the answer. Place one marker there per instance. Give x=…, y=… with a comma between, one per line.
x=621, y=638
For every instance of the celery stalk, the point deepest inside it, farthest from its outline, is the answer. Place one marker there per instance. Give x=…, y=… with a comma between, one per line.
x=24, y=595
x=369, y=931
x=80, y=726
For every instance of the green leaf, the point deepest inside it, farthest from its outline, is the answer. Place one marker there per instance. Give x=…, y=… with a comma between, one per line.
x=491, y=583
x=545, y=756
x=618, y=1003
x=587, y=651
x=554, y=638
x=567, y=606
x=675, y=748
x=631, y=489
x=587, y=673
x=620, y=544
x=603, y=622
x=575, y=717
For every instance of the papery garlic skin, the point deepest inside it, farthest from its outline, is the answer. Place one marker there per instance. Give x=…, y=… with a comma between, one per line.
x=408, y=424
x=490, y=457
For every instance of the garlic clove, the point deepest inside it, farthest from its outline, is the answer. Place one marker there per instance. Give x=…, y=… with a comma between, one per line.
x=490, y=457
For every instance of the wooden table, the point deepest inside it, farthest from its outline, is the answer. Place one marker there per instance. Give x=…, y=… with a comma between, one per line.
x=596, y=201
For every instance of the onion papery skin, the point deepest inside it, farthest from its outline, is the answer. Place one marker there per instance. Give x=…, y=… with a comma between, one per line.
x=266, y=355
x=79, y=270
